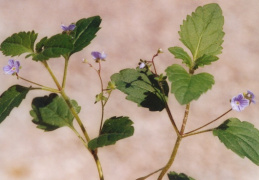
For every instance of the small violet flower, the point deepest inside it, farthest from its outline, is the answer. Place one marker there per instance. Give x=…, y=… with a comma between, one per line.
x=142, y=65
x=12, y=67
x=71, y=27
x=239, y=102
x=250, y=96
x=97, y=56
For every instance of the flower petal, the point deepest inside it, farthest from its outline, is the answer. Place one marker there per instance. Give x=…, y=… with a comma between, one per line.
x=11, y=62
x=96, y=55
x=71, y=27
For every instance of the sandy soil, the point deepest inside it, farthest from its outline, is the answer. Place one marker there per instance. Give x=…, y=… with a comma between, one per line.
x=130, y=30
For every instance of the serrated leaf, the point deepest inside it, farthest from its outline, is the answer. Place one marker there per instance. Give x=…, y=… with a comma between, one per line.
x=57, y=45
x=114, y=129
x=179, y=53
x=204, y=60
x=141, y=88
x=240, y=137
x=11, y=98
x=187, y=87
x=181, y=176
x=85, y=32
x=202, y=32
x=51, y=112
x=53, y=47
x=19, y=43
x=41, y=44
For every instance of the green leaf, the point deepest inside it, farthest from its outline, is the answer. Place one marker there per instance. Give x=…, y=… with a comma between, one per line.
x=19, y=43
x=202, y=32
x=85, y=32
x=11, y=98
x=58, y=45
x=53, y=47
x=41, y=44
x=141, y=88
x=187, y=87
x=114, y=129
x=205, y=60
x=241, y=137
x=181, y=176
x=51, y=112
x=179, y=53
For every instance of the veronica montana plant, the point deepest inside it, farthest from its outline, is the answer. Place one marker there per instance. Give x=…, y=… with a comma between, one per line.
x=201, y=33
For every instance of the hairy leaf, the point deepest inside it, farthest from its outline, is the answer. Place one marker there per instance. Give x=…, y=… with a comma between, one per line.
x=181, y=176
x=85, y=32
x=179, y=53
x=205, y=60
x=11, y=98
x=202, y=32
x=141, y=88
x=187, y=87
x=114, y=129
x=19, y=43
x=241, y=137
x=40, y=45
x=51, y=112
x=53, y=47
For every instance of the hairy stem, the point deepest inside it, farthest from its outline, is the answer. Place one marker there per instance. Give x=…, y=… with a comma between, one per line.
x=42, y=87
x=52, y=75
x=65, y=73
x=102, y=103
x=209, y=122
x=171, y=160
x=199, y=132
x=73, y=111
x=98, y=164
x=177, y=144
x=171, y=118
x=186, y=113
x=168, y=110
x=145, y=177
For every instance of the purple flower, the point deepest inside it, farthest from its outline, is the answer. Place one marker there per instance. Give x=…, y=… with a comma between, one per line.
x=239, y=102
x=71, y=27
x=12, y=67
x=250, y=96
x=142, y=65
x=97, y=56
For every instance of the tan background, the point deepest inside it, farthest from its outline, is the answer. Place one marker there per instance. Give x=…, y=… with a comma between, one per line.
x=130, y=30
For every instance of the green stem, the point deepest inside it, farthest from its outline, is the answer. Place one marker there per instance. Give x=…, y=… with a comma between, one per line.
x=45, y=89
x=171, y=160
x=177, y=144
x=171, y=118
x=145, y=177
x=186, y=113
x=94, y=153
x=65, y=73
x=168, y=110
x=199, y=132
x=98, y=164
x=209, y=122
x=102, y=103
x=42, y=87
x=73, y=111
x=52, y=75
x=79, y=136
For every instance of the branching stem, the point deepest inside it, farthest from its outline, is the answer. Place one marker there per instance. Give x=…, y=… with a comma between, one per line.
x=73, y=111
x=209, y=122
x=177, y=144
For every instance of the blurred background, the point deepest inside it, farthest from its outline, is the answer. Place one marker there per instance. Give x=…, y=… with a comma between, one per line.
x=130, y=30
